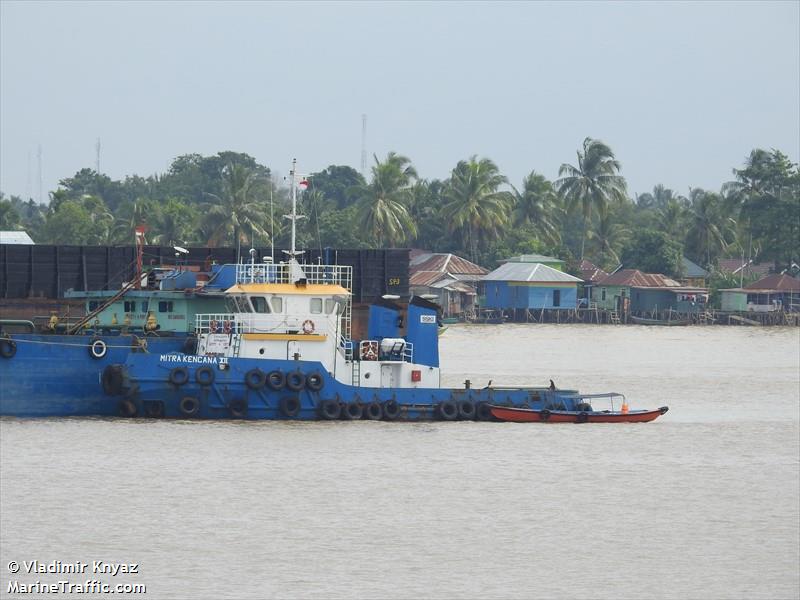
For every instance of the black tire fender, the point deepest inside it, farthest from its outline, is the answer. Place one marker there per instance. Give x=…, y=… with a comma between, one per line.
x=205, y=375
x=289, y=406
x=189, y=406
x=391, y=410
x=276, y=380
x=255, y=379
x=127, y=408
x=314, y=381
x=238, y=407
x=352, y=411
x=8, y=348
x=295, y=381
x=330, y=410
x=178, y=376
x=448, y=410
x=373, y=411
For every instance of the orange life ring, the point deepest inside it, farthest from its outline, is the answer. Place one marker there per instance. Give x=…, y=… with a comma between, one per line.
x=308, y=326
x=369, y=350
x=213, y=327
x=227, y=327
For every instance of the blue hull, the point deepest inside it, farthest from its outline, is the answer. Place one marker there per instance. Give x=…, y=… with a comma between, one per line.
x=56, y=375
x=182, y=386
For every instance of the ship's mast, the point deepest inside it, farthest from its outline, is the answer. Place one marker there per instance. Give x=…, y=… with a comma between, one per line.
x=296, y=271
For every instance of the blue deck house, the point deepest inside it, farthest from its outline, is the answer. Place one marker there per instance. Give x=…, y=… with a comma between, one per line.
x=530, y=286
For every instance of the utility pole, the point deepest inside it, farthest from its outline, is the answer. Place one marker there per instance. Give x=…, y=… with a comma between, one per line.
x=39, y=168
x=364, y=145
x=97, y=157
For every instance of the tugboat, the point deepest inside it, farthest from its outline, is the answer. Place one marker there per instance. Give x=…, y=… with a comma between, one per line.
x=285, y=351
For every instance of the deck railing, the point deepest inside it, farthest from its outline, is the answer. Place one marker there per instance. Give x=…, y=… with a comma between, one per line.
x=229, y=323
x=285, y=273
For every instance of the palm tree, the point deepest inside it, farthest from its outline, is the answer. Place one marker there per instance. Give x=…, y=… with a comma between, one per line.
x=671, y=218
x=607, y=239
x=593, y=184
x=236, y=211
x=710, y=227
x=473, y=202
x=537, y=204
x=382, y=211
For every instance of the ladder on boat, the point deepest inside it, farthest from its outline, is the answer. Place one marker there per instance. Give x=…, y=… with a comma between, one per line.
x=356, y=379
x=614, y=317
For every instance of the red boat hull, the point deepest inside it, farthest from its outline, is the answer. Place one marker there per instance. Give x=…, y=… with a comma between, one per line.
x=528, y=415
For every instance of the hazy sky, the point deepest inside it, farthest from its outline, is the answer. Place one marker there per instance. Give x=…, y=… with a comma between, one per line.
x=681, y=92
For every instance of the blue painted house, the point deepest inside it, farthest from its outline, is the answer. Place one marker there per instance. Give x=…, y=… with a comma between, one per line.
x=522, y=285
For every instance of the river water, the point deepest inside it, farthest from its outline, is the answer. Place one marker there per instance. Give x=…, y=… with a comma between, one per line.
x=702, y=503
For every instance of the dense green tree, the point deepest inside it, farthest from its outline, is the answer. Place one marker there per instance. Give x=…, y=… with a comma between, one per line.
x=172, y=224
x=766, y=194
x=339, y=183
x=237, y=211
x=474, y=204
x=592, y=184
x=537, y=205
x=10, y=219
x=382, y=211
x=653, y=251
x=710, y=227
x=70, y=224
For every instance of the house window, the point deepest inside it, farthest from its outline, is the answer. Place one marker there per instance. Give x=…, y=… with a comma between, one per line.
x=260, y=304
x=556, y=297
x=165, y=306
x=316, y=306
x=603, y=295
x=130, y=306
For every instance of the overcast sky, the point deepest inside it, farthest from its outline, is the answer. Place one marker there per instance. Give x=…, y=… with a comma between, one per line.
x=681, y=92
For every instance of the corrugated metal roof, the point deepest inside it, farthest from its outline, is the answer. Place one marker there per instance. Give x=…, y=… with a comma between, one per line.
x=518, y=271
x=426, y=277
x=777, y=282
x=15, y=237
x=532, y=258
x=737, y=265
x=693, y=269
x=635, y=278
x=445, y=263
x=591, y=272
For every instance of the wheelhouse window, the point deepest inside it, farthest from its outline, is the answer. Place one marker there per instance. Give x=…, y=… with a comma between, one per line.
x=277, y=304
x=165, y=306
x=260, y=304
x=145, y=305
x=130, y=306
x=316, y=306
x=93, y=304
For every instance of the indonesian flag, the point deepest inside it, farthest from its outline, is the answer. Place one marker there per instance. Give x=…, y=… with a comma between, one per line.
x=303, y=184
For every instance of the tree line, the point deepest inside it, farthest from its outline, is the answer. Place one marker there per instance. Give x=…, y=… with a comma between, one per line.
x=587, y=212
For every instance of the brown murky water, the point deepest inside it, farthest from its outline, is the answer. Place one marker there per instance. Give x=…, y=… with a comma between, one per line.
x=704, y=502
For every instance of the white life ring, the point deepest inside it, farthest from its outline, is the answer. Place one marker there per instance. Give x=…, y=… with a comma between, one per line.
x=213, y=327
x=308, y=326
x=227, y=327
x=98, y=348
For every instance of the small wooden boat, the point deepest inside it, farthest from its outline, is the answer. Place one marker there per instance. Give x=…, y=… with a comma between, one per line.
x=660, y=322
x=543, y=415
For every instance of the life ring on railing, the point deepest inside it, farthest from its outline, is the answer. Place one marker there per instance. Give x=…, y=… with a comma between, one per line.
x=308, y=326
x=213, y=326
x=369, y=350
x=227, y=327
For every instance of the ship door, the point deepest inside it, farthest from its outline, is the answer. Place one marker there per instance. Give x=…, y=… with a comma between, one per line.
x=292, y=348
x=387, y=376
